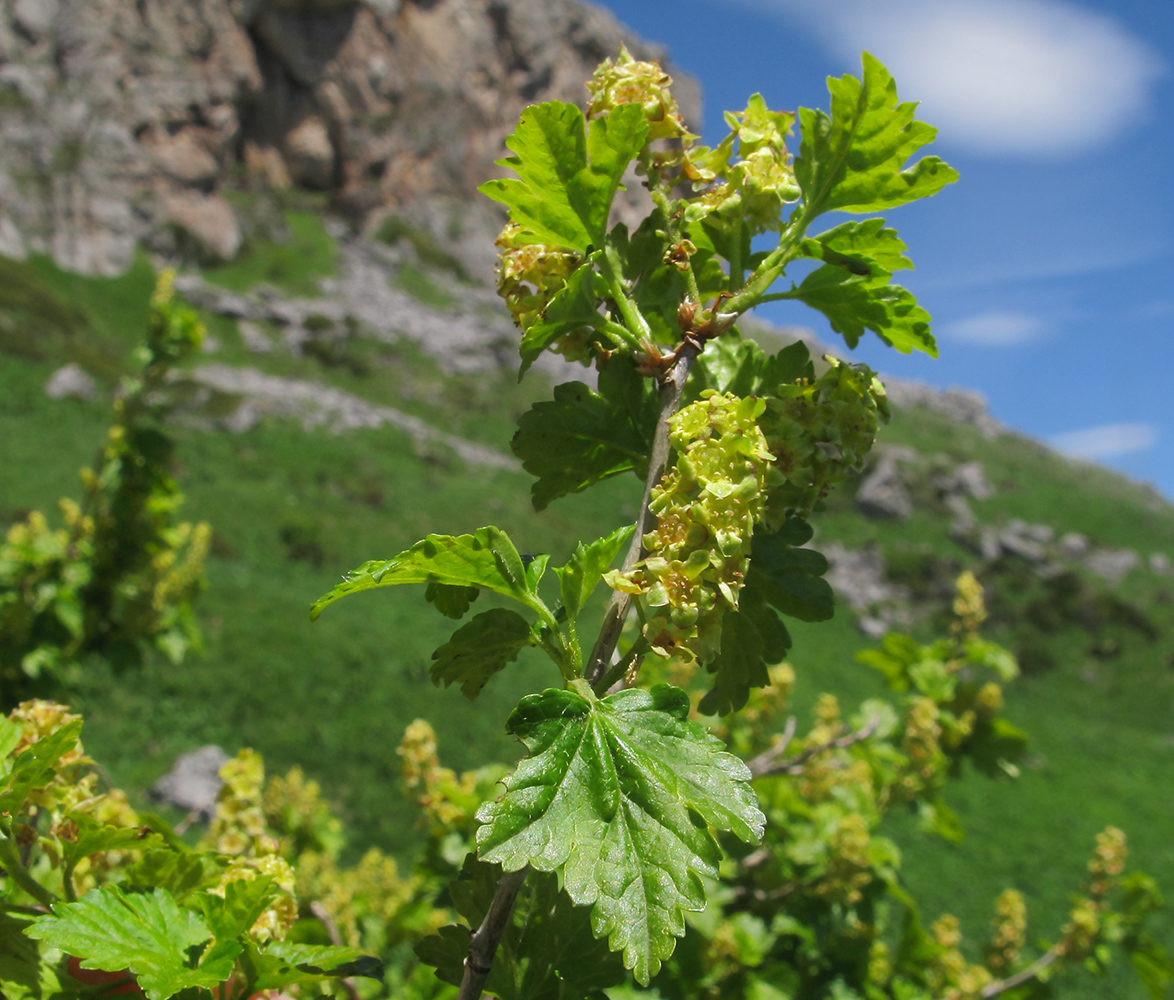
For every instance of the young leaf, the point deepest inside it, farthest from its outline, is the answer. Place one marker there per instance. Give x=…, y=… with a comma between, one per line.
x=620, y=796
x=854, y=302
x=852, y=159
x=148, y=934
x=35, y=764
x=567, y=176
x=583, y=571
x=791, y=578
x=582, y=437
x=728, y=364
x=485, y=559
x=480, y=649
x=753, y=638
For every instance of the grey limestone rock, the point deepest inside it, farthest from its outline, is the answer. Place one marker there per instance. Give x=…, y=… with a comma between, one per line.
x=883, y=493
x=125, y=120
x=70, y=380
x=193, y=782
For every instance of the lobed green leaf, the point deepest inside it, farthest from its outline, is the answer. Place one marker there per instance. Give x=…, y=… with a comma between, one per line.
x=567, y=175
x=854, y=159
x=582, y=437
x=584, y=570
x=854, y=303
x=619, y=796
x=485, y=559
x=149, y=934
x=35, y=764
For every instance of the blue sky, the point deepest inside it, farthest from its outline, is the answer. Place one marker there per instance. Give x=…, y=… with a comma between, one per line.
x=1049, y=269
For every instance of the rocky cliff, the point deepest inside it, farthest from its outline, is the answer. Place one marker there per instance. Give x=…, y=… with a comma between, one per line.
x=125, y=121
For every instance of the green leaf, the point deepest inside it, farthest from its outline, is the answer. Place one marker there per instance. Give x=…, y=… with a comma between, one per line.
x=284, y=963
x=547, y=952
x=854, y=303
x=582, y=437
x=148, y=934
x=485, y=559
x=853, y=159
x=619, y=796
x=180, y=873
x=573, y=307
x=94, y=837
x=860, y=243
x=729, y=364
x=11, y=733
x=583, y=571
x=25, y=972
x=1152, y=964
x=792, y=578
x=753, y=638
x=567, y=176
x=452, y=602
x=787, y=366
x=35, y=764
x=480, y=649
x=240, y=907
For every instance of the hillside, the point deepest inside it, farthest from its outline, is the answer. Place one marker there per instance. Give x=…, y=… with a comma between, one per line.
x=312, y=444
x=358, y=391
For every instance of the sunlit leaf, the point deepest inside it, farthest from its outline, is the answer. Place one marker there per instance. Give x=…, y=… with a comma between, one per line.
x=620, y=796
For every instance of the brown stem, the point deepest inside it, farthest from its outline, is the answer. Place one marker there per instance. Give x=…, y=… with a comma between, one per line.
x=671, y=388
x=327, y=921
x=483, y=944
x=767, y=763
x=1033, y=970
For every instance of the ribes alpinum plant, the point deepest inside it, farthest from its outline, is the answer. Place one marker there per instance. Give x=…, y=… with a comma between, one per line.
x=669, y=832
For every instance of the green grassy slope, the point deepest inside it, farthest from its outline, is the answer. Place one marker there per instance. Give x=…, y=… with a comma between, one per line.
x=293, y=510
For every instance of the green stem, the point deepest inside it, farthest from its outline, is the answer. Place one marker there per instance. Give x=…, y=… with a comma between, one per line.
x=620, y=670
x=11, y=863
x=765, y=274
x=611, y=268
x=736, y=258
x=622, y=334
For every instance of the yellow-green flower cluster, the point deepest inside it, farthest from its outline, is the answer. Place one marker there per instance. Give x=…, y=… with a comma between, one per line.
x=530, y=274
x=820, y=433
x=705, y=509
x=755, y=187
x=630, y=81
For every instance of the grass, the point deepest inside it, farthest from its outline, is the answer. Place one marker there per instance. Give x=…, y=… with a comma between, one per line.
x=292, y=511
x=296, y=265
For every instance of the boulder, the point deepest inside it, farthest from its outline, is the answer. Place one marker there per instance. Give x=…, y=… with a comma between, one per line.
x=205, y=226
x=70, y=381
x=883, y=493
x=193, y=782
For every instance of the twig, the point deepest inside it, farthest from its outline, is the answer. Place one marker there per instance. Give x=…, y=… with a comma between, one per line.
x=327, y=921
x=1033, y=970
x=768, y=763
x=777, y=749
x=483, y=943
x=620, y=604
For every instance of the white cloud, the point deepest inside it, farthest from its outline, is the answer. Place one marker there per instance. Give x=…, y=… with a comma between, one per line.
x=998, y=76
x=1106, y=441
x=994, y=329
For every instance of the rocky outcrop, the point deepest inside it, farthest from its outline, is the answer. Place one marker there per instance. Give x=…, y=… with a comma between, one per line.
x=125, y=120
